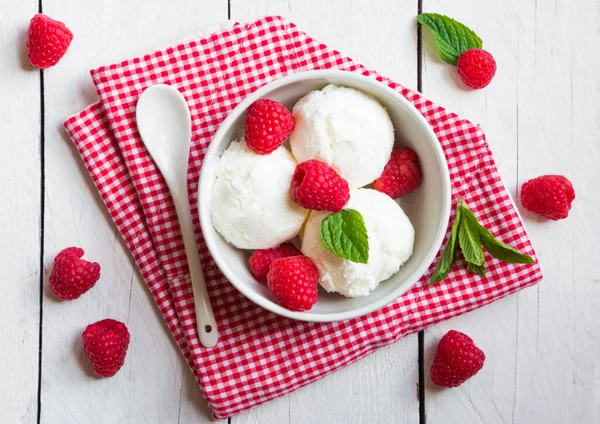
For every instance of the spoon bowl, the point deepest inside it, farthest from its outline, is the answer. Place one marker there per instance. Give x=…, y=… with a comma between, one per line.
x=165, y=125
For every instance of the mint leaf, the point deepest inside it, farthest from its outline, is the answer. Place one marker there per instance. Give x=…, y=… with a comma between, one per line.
x=449, y=255
x=344, y=233
x=451, y=37
x=469, y=234
x=500, y=250
x=469, y=238
x=477, y=269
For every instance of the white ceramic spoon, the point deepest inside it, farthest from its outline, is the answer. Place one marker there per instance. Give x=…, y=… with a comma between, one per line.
x=165, y=125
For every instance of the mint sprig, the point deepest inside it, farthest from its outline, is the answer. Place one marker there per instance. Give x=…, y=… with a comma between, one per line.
x=469, y=238
x=477, y=269
x=451, y=37
x=344, y=233
x=502, y=251
x=468, y=234
x=449, y=255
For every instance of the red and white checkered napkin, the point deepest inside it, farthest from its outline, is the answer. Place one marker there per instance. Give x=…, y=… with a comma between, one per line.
x=260, y=355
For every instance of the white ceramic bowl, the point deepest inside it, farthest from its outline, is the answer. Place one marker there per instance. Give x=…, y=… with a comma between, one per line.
x=428, y=207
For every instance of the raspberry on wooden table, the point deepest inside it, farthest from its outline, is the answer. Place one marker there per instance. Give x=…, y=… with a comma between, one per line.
x=401, y=174
x=293, y=281
x=105, y=344
x=261, y=260
x=317, y=186
x=268, y=124
x=456, y=360
x=72, y=276
x=47, y=41
x=476, y=67
x=549, y=196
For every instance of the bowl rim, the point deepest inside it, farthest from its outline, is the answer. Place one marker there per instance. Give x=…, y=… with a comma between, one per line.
x=204, y=209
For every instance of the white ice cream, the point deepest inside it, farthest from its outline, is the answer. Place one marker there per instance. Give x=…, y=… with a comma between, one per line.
x=252, y=206
x=391, y=238
x=345, y=128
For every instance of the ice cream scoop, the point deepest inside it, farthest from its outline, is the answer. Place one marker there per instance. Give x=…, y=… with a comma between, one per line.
x=345, y=128
x=252, y=206
x=391, y=237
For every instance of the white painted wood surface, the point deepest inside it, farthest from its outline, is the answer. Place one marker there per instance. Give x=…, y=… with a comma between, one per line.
x=155, y=385
x=489, y=398
x=20, y=224
x=540, y=114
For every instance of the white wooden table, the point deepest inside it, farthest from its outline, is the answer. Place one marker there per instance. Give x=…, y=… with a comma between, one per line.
x=541, y=115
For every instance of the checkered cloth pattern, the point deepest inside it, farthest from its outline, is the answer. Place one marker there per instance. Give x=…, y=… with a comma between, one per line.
x=261, y=356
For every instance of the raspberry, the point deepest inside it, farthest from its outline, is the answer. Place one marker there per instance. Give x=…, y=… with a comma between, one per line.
x=268, y=124
x=401, y=174
x=317, y=186
x=261, y=259
x=293, y=281
x=72, y=276
x=456, y=360
x=105, y=344
x=476, y=67
x=47, y=41
x=549, y=196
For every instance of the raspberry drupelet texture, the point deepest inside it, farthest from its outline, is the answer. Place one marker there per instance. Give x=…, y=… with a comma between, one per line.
x=72, y=276
x=293, y=281
x=549, y=196
x=456, y=360
x=476, y=67
x=401, y=174
x=261, y=260
x=268, y=124
x=317, y=186
x=47, y=41
x=105, y=344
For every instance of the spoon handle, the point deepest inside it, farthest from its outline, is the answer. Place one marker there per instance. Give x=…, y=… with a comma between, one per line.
x=205, y=318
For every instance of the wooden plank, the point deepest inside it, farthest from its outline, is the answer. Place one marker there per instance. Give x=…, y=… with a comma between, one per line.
x=382, y=387
x=584, y=393
x=20, y=226
x=155, y=384
x=559, y=111
x=540, y=117
x=488, y=397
